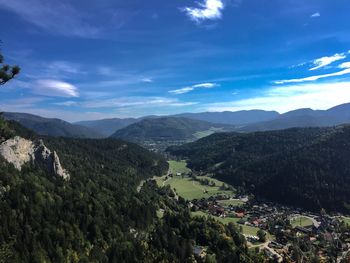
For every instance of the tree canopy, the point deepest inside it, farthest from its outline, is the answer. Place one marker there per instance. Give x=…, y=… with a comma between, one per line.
x=7, y=72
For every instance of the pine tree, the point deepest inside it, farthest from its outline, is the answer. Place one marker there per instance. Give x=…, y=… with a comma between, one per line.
x=7, y=72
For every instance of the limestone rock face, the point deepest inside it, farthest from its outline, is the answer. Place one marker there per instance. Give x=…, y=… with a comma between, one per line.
x=57, y=167
x=19, y=151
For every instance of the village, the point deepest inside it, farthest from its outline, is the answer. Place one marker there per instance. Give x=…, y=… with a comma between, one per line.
x=280, y=231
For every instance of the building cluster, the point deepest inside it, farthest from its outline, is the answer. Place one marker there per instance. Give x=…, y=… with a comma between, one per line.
x=296, y=233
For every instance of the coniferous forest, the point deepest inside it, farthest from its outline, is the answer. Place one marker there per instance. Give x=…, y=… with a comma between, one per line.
x=305, y=167
x=98, y=215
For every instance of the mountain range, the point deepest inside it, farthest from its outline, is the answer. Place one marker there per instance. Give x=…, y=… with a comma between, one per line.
x=107, y=126
x=303, y=118
x=169, y=128
x=158, y=128
x=51, y=127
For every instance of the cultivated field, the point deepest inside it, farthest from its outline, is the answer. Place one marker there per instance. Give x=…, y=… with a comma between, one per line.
x=301, y=221
x=346, y=220
x=178, y=167
x=188, y=188
x=247, y=230
x=202, y=134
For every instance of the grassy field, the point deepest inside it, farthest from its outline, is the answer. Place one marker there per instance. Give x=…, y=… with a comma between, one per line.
x=346, y=220
x=186, y=187
x=178, y=167
x=189, y=189
x=202, y=134
x=217, y=182
x=301, y=221
x=247, y=230
x=231, y=202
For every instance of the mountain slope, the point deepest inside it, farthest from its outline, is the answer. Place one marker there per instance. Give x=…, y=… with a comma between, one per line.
x=307, y=167
x=51, y=127
x=168, y=130
x=232, y=118
x=107, y=126
x=304, y=118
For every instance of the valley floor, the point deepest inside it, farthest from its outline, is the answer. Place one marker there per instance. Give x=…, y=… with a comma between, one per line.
x=282, y=225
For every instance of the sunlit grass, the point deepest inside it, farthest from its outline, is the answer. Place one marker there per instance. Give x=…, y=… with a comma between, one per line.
x=301, y=221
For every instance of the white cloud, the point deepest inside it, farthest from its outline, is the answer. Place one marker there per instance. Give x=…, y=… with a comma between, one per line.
x=283, y=99
x=314, y=78
x=193, y=87
x=140, y=102
x=181, y=91
x=208, y=10
x=325, y=61
x=205, y=85
x=147, y=80
x=344, y=65
x=55, y=17
x=66, y=103
x=54, y=88
x=317, y=14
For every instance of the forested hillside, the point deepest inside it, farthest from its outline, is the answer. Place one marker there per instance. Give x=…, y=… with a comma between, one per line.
x=307, y=167
x=107, y=127
x=52, y=127
x=98, y=215
x=158, y=133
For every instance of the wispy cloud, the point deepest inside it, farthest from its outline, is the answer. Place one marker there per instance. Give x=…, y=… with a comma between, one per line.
x=66, y=103
x=317, y=14
x=141, y=102
x=54, y=88
x=283, y=99
x=147, y=80
x=314, y=78
x=325, y=61
x=207, y=10
x=55, y=17
x=344, y=65
x=193, y=87
x=64, y=67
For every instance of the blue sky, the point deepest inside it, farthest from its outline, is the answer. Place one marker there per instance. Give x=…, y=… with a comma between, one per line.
x=86, y=59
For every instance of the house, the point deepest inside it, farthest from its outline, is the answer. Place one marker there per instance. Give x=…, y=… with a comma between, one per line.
x=239, y=214
x=302, y=230
x=199, y=251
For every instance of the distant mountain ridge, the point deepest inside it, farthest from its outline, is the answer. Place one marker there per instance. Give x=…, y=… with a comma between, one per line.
x=107, y=126
x=51, y=127
x=244, y=121
x=232, y=117
x=168, y=130
x=303, y=118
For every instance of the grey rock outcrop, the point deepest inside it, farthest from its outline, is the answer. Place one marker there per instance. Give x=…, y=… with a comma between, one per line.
x=20, y=151
x=17, y=151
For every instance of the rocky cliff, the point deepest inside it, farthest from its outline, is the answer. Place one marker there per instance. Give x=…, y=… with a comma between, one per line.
x=20, y=151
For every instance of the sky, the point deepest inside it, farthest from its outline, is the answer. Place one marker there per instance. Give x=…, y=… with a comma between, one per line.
x=87, y=59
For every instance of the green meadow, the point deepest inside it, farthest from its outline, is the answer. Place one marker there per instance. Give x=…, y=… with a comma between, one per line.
x=301, y=221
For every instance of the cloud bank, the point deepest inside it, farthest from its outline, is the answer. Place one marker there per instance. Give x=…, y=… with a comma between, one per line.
x=283, y=99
